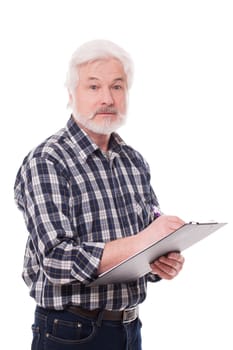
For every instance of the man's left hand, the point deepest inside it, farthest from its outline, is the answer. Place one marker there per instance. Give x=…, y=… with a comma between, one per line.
x=169, y=266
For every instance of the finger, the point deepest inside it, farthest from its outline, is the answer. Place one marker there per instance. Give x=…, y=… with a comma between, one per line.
x=176, y=256
x=162, y=273
x=168, y=269
x=166, y=263
x=176, y=220
x=175, y=223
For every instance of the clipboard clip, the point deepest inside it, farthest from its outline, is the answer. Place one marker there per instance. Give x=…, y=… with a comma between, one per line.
x=202, y=223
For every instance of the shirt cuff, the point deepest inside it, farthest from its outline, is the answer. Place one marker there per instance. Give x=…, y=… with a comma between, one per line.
x=151, y=277
x=85, y=269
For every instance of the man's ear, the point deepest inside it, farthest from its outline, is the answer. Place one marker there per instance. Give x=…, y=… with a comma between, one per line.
x=70, y=97
x=70, y=100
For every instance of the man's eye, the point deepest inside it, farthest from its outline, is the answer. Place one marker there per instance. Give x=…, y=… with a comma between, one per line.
x=93, y=87
x=117, y=87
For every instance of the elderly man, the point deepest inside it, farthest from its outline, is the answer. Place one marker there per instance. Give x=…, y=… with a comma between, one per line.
x=88, y=204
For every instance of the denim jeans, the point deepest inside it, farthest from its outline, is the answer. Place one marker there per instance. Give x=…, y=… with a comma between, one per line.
x=64, y=330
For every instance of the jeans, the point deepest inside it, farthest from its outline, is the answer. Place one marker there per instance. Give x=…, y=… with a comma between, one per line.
x=64, y=330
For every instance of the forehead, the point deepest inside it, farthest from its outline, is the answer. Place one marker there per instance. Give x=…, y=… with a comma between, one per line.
x=103, y=69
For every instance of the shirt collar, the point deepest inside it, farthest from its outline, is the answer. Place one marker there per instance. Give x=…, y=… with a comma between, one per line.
x=85, y=146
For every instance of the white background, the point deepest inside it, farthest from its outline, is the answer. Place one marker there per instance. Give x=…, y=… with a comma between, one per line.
x=179, y=119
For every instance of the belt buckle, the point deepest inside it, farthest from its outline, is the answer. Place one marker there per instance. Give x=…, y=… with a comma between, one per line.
x=129, y=315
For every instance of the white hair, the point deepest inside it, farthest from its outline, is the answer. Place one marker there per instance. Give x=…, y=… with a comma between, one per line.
x=96, y=50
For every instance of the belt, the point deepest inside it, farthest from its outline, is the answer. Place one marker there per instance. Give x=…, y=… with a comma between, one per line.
x=125, y=316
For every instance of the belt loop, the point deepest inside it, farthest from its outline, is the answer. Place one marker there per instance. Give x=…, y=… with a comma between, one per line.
x=100, y=318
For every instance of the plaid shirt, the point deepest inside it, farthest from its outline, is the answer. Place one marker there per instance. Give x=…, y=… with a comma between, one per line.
x=74, y=200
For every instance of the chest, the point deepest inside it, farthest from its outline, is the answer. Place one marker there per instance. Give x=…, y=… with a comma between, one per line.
x=109, y=199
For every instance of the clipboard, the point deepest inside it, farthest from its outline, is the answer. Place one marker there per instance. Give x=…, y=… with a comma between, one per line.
x=138, y=265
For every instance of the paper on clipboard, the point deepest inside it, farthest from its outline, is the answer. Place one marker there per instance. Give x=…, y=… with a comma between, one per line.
x=139, y=264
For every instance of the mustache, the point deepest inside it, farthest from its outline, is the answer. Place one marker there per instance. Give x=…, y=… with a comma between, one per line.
x=110, y=110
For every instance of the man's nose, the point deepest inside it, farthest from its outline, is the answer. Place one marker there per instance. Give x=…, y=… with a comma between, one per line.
x=107, y=97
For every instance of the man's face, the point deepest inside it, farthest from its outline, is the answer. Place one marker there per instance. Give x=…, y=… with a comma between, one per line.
x=100, y=99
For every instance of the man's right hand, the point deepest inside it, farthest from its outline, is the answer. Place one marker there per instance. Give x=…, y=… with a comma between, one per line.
x=163, y=226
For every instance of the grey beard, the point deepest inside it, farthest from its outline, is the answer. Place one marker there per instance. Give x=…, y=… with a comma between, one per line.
x=106, y=127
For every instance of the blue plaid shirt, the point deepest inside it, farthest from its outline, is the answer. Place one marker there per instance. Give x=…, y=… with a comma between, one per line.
x=74, y=200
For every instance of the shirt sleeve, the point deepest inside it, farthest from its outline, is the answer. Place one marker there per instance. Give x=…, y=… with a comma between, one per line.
x=151, y=277
x=45, y=195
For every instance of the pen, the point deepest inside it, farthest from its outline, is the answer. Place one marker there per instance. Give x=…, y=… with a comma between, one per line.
x=156, y=212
